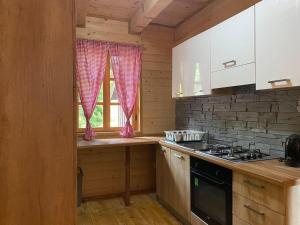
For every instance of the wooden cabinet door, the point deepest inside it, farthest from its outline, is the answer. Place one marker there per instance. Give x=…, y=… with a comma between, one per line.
x=233, y=39
x=180, y=196
x=277, y=44
x=163, y=174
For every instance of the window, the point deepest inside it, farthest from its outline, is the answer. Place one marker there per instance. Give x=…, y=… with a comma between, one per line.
x=108, y=115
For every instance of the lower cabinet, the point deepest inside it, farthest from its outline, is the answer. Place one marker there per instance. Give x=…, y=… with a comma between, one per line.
x=257, y=202
x=173, y=181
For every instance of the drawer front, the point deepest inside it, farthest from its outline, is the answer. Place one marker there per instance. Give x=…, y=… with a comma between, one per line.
x=238, y=221
x=255, y=214
x=260, y=191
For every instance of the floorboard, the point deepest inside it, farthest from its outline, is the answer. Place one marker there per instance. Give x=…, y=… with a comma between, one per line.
x=144, y=210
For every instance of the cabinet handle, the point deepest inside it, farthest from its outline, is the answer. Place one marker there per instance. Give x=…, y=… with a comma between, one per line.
x=254, y=210
x=276, y=81
x=253, y=184
x=229, y=63
x=179, y=156
x=179, y=93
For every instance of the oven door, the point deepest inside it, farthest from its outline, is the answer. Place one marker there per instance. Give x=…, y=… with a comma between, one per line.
x=211, y=199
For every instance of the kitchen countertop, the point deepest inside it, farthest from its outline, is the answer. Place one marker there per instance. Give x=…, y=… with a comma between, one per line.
x=271, y=170
x=113, y=142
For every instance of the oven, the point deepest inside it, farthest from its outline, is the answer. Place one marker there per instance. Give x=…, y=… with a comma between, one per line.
x=211, y=192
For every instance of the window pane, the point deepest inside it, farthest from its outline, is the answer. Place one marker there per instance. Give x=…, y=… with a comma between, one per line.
x=117, y=117
x=111, y=74
x=113, y=92
x=96, y=120
x=100, y=97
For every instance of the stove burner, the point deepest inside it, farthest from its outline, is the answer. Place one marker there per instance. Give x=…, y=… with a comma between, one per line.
x=235, y=154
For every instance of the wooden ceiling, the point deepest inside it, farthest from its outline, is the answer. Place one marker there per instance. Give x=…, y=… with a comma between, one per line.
x=173, y=13
x=178, y=11
x=114, y=9
x=187, y=17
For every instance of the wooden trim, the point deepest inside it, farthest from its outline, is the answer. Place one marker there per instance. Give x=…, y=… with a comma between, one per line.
x=144, y=15
x=81, y=12
x=127, y=176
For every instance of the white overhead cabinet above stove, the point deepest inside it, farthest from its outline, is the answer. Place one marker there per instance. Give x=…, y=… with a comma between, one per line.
x=277, y=44
x=191, y=67
x=233, y=51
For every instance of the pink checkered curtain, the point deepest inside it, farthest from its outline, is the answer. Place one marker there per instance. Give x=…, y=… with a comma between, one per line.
x=91, y=59
x=126, y=64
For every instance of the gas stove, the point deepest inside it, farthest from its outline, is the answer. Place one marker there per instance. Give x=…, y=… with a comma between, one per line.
x=235, y=154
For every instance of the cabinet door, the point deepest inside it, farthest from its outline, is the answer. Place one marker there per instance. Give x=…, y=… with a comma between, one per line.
x=232, y=42
x=277, y=44
x=163, y=174
x=178, y=71
x=180, y=196
x=191, y=67
x=197, y=65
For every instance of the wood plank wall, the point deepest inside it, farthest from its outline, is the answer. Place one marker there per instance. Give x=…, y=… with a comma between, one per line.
x=158, y=108
x=104, y=170
x=37, y=151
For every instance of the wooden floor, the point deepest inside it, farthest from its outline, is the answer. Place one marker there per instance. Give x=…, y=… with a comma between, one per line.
x=144, y=210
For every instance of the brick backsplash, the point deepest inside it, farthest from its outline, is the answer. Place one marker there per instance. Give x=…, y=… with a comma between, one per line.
x=265, y=118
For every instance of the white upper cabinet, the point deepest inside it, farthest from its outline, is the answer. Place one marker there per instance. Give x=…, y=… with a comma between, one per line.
x=277, y=44
x=191, y=67
x=233, y=46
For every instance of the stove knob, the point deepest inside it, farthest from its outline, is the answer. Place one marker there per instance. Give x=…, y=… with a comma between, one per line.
x=254, y=156
x=242, y=157
x=248, y=156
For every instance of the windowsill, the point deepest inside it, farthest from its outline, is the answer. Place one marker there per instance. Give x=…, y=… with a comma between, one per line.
x=105, y=135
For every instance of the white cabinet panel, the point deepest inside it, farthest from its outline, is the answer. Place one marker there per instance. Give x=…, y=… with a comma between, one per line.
x=232, y=42
x=191, y=67
x=277, y=43
x=233, y=77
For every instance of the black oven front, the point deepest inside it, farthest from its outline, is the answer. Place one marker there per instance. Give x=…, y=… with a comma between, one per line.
x=211, y=192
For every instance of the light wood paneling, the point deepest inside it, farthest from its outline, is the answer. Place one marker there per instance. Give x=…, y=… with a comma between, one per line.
x=179, y=10
x=104, y=170
x=145, y=14
x=144, y=210
x=37, y=145
x=119, y=10
x=214, y=13
x=158, y=108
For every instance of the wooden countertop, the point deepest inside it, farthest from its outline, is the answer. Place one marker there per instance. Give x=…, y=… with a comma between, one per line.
x=113, y=142
x=271, y=170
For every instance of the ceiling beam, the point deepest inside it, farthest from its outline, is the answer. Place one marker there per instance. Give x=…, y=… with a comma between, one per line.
x=144, y=15
x=215, y=12
x=81, y=12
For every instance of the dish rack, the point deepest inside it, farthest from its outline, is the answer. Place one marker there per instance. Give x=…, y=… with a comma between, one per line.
x=184, y=135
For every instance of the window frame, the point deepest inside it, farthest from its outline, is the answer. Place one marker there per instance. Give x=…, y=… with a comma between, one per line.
x=106, y=106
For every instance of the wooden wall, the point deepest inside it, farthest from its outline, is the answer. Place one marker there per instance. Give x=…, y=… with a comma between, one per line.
x=158, y=109
x=104, y=170
x=37, y=154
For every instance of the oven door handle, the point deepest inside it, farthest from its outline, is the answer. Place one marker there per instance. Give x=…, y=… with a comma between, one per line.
x=209, y=178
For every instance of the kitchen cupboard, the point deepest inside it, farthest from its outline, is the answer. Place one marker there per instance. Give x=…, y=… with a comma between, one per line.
x=173, y=181
x=277, y=44
x=191, y=67
x=163, y=174
x=257, y=201
x=180, y=190
x=233, y=51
